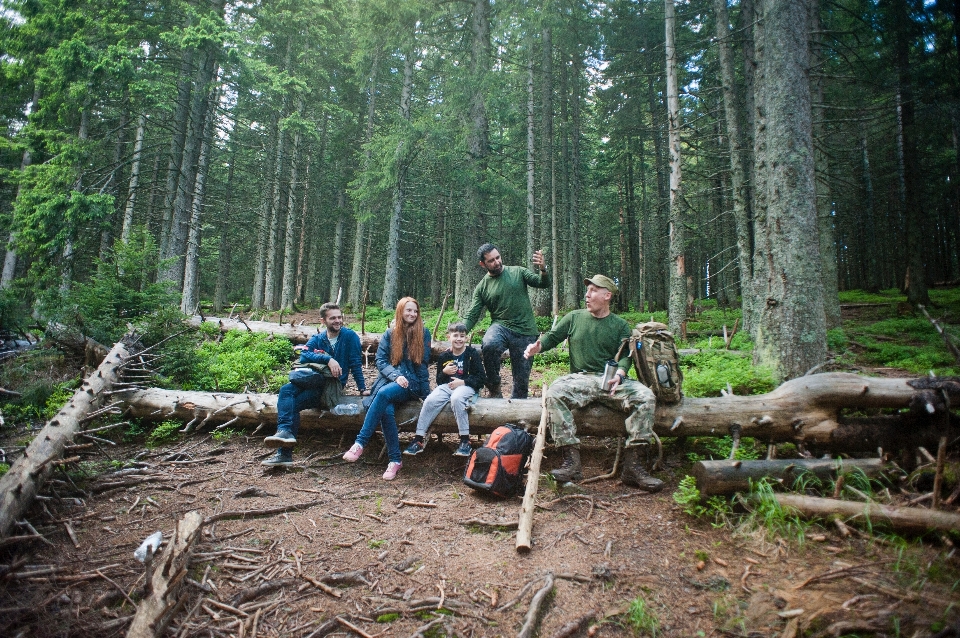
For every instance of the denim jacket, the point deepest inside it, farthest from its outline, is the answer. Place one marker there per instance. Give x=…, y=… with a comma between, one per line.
x=415, y=372
x=346, y=352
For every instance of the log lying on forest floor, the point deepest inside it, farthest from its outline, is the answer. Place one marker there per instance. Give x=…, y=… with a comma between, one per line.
x=164, y=580
x=806, y=410
x=20, y=484
x=727, y=477
x=900, y=519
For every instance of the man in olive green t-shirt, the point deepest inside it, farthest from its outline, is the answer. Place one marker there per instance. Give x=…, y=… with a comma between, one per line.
x=503, y=291
x=594, y=336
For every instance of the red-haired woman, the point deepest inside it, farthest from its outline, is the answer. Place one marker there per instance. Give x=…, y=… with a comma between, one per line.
x=402, y=359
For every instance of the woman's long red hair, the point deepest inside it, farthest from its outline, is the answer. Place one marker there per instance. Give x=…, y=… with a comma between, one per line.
x=409, y=336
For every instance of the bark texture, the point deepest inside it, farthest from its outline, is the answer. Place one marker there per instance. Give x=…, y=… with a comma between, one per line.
x=727, y=477
x=901, y=519
x=791, y=330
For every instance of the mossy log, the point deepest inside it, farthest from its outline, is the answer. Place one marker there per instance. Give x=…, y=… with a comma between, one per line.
x=20, y=484
x=807, y=410
x=727, y=477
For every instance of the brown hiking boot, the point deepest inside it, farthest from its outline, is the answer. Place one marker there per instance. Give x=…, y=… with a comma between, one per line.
x=635, y=475
x=569, y=470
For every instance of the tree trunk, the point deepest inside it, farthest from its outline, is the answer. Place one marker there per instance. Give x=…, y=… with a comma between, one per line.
x=10, y=257
x=478, y=149
x=134, y=180
x=190, y=299
x=200, y=103
x=737, y=176
x=531, y=150
x=574, y=276
x=357, y=271
x=678, y=271
x=806, y=410
x=791, y=329
x=337, y=250
x=303, y=258
x=175, y=154
x=22, y=481
x=541, y=296
x=391, y=274
x=288, y=282
x=727, y=477
x=825, y=220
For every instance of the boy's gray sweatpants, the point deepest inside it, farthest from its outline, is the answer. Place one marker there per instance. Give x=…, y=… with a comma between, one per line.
x=458, y=399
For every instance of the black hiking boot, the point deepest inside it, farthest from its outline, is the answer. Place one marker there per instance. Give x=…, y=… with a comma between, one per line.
x=569, y=470
x=635, y=475
x=495, y=391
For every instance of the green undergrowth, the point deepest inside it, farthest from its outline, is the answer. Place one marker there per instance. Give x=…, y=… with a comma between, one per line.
x=236, y=361
x=709, y=371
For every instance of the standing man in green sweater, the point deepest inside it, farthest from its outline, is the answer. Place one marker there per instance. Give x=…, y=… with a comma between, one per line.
x=594, y=336
x=503, y=291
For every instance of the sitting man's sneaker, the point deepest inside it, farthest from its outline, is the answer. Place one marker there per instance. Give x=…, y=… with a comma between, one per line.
x=353, y=453
x=283, y=438
x=392, y=469
x=281, y=458
x=464, y=449
x=415, y=448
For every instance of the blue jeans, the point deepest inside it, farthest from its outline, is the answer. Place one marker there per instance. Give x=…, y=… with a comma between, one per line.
x=495, y=341
x=291, y=400
x=380, y=413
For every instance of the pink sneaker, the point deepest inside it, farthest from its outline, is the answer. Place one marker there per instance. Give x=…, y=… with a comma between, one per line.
x=353, y=453
x=392, y=469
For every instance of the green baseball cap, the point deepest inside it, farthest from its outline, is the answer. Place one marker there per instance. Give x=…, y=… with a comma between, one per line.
x=602, y=281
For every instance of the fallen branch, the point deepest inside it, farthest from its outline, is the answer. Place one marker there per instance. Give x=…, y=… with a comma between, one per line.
x=533, y=614
x=525, y=527
x=242, y=514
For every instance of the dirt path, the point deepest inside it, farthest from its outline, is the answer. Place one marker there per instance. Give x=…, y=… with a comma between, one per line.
x=607, y=544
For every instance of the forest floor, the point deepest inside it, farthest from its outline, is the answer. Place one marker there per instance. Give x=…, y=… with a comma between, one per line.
x=422, y=555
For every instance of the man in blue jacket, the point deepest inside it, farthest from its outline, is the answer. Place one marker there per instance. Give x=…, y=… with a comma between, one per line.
x=339, y=349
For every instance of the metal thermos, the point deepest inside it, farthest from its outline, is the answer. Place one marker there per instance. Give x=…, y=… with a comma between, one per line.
x=609, y=371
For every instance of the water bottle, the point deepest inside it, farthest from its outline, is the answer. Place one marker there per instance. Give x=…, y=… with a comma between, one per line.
x=663, y=375
x=609, y=372
x=346, y=409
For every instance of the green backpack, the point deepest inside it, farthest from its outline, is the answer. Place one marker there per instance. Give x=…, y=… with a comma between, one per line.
x=656, y=359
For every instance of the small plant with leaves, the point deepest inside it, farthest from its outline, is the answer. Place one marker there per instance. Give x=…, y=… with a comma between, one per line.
x=164, y=433
x=642, y=619
x=690, y=500
x=766, y=513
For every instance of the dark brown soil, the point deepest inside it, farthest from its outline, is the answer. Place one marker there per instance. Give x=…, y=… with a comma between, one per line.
x=418, y=546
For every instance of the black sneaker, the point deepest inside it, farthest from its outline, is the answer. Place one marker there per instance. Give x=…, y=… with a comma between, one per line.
x=464, y=449
x=282, y=439
x=415, y=448
x=282, y=458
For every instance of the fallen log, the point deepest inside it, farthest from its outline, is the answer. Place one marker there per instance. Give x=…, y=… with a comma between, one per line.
x=901, y=519
x=19, y=485
x=162, y=599
x=806, y=410
x=726, y=477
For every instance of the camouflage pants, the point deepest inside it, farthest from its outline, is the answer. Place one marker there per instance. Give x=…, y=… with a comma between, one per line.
x=580, y=389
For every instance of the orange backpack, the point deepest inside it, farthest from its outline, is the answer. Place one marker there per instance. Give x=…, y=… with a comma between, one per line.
x=497, y=466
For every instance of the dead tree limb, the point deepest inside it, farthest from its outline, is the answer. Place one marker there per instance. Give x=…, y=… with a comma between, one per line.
x=902, y=519
x=19, y=485
x=525, y=528
x=162, y=596
x=806, y=410
x=727, y=477
x=533, y=614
